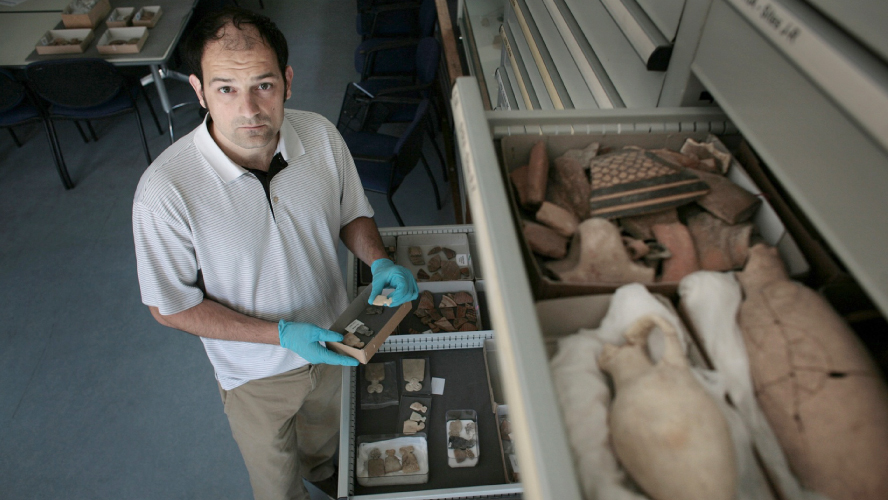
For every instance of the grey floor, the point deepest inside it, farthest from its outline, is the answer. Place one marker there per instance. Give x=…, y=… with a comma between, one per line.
x=97, y=400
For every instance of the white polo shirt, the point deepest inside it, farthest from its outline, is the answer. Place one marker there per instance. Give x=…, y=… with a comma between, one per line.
x=196, y=210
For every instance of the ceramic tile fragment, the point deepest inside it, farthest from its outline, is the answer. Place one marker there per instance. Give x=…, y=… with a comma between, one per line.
x=447, y=301
x=382, y=300
x=448, y=313
x=434, y=263
x=409, y=463
x=445, y=325
x=426, y=300
x=392, y=464
x=463, y=297
x=415, y=256
x=375, y=465
x=450, y=254
x=450, y=270
x=421, y=275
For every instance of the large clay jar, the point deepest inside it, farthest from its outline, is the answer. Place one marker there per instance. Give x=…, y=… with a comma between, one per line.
x=666, y=430
x=815, y=382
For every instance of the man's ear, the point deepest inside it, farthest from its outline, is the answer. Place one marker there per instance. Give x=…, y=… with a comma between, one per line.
x=198, y=89
x=288, y=75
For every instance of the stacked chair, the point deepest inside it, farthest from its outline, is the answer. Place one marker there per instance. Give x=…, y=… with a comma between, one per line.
x=398, y=61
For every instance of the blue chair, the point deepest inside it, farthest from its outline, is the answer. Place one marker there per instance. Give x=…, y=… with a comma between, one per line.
x=82, y=89
x=397, y=20
x=17, y=108
x=383, y=161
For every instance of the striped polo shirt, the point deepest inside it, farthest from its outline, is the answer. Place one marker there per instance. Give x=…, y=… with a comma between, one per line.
x=195, y=211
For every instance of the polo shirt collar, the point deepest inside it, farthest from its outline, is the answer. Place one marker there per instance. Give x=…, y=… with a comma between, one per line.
x=289, y=146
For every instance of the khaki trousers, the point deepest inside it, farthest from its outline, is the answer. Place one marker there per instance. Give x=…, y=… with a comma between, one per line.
x=286, y=427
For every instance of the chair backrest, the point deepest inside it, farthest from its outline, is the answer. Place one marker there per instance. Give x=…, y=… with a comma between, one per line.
x=75, y=83
x=12, y=93
x=428, y=14
x=409, y=146
x=428, y=53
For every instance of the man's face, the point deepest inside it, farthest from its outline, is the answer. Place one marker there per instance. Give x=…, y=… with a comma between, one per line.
x=244, y=91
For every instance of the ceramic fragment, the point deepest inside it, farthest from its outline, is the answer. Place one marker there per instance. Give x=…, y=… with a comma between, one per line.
x=459, y=322
x=558, y=219
x=537, y=175
x=459, y=442
x=704, y=150
x=412, y=427
x=434, y=250
x=373, y=310
x=720, y=247
x=382, y=300
x=417, y=406
x=470, y=430
x=597, y=255
x=351, y=340
x=544, y=241
x=519, y=180
x=470, y=454
x=454, y=428
x=415, y=256
x=460, y=455
x=450, y=254
x=364, y=330
x=726, y=200
x=421, y=275
x=447, y=301
x=464, y=272
x=463, y=297
x=461, y=312
x=823, y=395
x=392, y=464
x=414, y=373
x=449, y=270
x=375, y=465
x=677, y=159
x=445, y=325
x=506, y=429
x=409, y=463
x=436, y=277
x=639, y=226
x=583, y=156
x=677, y=239
x=636, y=249
x=426, y=300
x=416, y=417
x=434, y=263
x=666, y=430
x=569, y=187
x=448, y=313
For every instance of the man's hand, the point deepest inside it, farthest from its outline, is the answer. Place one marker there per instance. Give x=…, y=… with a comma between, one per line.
x=303, y=338
x=386, y=274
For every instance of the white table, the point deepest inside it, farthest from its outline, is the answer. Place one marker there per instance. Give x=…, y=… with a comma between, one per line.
x=21, y=30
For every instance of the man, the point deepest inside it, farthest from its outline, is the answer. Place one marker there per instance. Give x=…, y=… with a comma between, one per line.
x=236, y=229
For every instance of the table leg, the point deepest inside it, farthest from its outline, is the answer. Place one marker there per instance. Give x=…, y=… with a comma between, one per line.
x=158, y=74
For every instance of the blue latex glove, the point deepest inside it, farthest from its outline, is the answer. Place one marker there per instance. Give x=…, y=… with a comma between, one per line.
x=386, y=274
x=303, y=338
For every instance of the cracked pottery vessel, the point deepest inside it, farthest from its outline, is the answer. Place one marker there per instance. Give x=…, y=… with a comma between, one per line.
x=666, y=430
x=814, y=380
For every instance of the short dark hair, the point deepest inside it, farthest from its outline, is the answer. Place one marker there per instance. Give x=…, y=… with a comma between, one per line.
x=207, y=30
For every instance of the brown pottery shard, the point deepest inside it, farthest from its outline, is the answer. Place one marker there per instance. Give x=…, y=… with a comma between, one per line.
x=415, y=256
x=421, y=275
x=597, y=255
x=392, y=464
x=677, y=159
x=636, y=249
x=409, y=463
x=434, y=264
x=464, y=272
x=436, y=277
x=706, y=150
x=447, y=301
x=583, y=156
x=726, y=200
x=459, y=322
x=569, y=187
x=537, y=175
x=558, y=219
x=449, y=253
x=468, y=327
x=544, y=241
x=677, y=239
x=434, y=250
x=720, y=247
x=461, y=312
x=818, y=387
x=375, y=465
x=463, y=298
x=519, y=180
x=450, y=270
x=639, y=226
x=426, y=301
x=445, y=325
x=448, y=313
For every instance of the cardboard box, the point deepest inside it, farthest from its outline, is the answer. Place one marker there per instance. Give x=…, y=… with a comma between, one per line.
x=438, y=289
x=73, y=19
x=458, y=242
x=107, y=44
x=45, y=47
x=138, y=19
x=384, y=324
x=120, y=17
x=516, y=150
